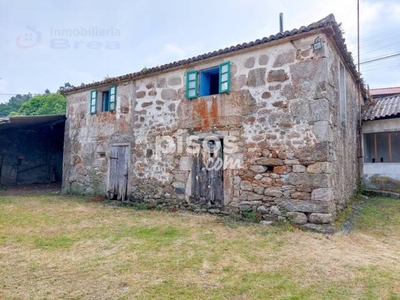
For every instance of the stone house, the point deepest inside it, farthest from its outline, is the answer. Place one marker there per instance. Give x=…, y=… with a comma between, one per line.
x=281, y=113
x=381, y=141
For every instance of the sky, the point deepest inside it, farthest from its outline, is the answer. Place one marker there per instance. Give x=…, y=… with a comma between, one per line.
x=46, y=43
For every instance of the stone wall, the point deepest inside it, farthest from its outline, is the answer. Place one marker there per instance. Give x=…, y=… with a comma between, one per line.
x=88, y=139
x=281, y=112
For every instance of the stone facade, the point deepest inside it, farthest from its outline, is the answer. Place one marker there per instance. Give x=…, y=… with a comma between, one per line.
x=297, y=153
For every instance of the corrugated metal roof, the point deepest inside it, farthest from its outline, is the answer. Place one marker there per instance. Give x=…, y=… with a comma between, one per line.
x=385, y=91
x=30, y=121
x=384, y=107
x=323, y=23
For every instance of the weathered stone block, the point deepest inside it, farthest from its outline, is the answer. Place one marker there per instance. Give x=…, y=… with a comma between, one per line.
x=297, y=218
x=263, y=60
x=258, y=168
x=306, y=180
x=299, y=169
x=281, y=169
x=140, y=94
x=253, y=196
x=265, y=161
x=246, y=185
x=309, y=110
x=305, y=206
x=320, y=168
x=326, y=229
x=146, y=104
x=161, y=83
x=262, y=210
x=314, y=153
x=322, y=131
x=321, y=218
x=273, y=192
x=174, y=81
x=322, y=194
x=277, y=76
x=256, y=77
x=275, y=211
x=284, y=58
x=267, y=181
x=301, y=195
x=169, y=94
x=245, y=207
x=249, y=63
x=259, y=190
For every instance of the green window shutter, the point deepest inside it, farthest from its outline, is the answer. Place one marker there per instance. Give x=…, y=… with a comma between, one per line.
x=225, y=77
x=113, y=97
x=191, y=84
x=93, y=102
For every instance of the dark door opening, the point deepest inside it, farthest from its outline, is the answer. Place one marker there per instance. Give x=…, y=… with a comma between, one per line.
x=31, y=150
x=207, y=175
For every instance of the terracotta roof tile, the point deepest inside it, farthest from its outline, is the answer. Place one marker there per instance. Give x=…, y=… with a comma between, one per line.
x=325, y=22
x=385, y=91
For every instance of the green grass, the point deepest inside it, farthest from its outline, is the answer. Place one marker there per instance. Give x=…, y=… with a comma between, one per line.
x=380, y=216
x=55, y=247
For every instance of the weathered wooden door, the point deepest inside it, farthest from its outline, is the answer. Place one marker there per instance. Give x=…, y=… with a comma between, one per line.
x=118, y=181
x=207, y=176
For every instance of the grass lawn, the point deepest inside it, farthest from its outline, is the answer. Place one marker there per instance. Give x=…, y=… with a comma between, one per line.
x=55, y=247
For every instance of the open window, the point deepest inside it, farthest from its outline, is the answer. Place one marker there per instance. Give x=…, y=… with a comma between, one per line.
x=107, y=100
x=382, y=147
x=207, y=82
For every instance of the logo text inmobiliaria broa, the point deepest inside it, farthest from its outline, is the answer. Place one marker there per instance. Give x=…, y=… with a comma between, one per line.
x=91, y=38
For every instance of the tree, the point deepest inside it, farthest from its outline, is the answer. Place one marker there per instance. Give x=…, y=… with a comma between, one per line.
x=67, y=85
x=46, y=104
x=13, y=104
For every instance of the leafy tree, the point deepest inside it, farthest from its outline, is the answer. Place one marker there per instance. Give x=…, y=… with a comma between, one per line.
x=66, y=86
x=13, y=104
x=46, y=104
x=47, y=91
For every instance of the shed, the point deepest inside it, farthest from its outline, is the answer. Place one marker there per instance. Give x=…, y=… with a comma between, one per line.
x=31, y=149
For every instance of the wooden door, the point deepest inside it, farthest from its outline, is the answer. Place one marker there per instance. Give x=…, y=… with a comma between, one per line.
x=118, y=180
x=207, y=177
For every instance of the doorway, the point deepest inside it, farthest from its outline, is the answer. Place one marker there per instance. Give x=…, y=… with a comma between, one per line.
x=207, y=174
x=118, y=179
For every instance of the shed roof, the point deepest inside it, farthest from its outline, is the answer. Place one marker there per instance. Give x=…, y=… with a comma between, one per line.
x=328, y=21
x=384, y=107
x=30, y=121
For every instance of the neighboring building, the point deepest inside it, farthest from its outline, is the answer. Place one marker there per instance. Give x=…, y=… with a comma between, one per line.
x=31, y=149
x=381, y=143
x=289, y=103
x=385, y=92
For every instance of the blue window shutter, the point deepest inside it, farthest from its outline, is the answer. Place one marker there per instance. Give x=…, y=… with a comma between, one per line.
x=225, y=77
x=113, y=97
x=191, y=84
x=93, y=102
